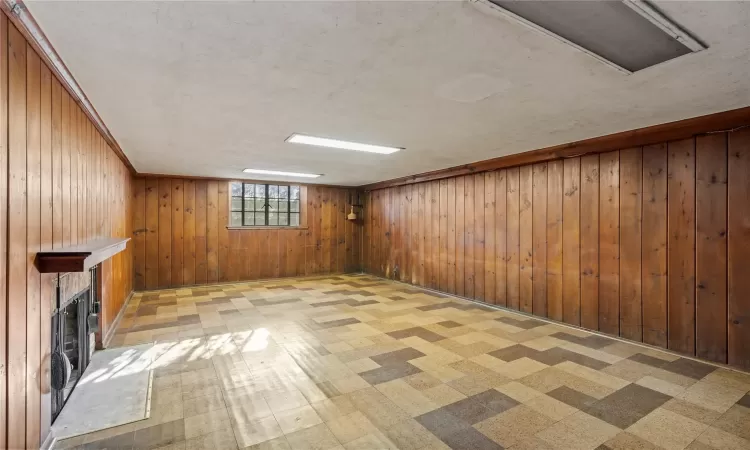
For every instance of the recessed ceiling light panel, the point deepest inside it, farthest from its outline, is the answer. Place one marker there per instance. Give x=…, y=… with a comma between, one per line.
x=629, y=35
x=297, y=138
x=280, y=173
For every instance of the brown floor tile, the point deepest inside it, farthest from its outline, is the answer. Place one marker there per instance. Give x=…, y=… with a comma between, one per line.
x=449, y=324
x=419, y=332
x=572, y=397
x=627, y=405
x=735, y=421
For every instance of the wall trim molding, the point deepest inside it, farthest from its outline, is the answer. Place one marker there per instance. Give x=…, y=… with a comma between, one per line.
x=116, y=323
x=19, y=14
x=670, y=131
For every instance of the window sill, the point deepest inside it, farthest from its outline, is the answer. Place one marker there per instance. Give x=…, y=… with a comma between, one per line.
x=266, y=228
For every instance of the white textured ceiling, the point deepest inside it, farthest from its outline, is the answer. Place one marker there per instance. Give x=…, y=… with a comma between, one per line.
x=209, y=88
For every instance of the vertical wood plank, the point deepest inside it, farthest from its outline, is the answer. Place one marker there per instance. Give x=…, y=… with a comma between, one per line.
x=555, y=240
x=654, y=245
x=325, y=233
x=609, y=243
x=17, y=231
x=212, y=232
x=416, y=234
x=469, y=230
x=188, y=224
x=57, y=215
x=165, y=232
x=490, y=276
x=33, y=243
x=571, y=241
x=501, y=238
x=222, y=201
x=738, y=249
x=513, y=238
x=178, y=227
x=681, y=250
x=450, y=212
x=711, y=247
x=443, y=235
x=140, y=231
x=460, y=240
x=435, y=234
x=201, y=264
x=539, y=239
x=526, y=249
x=590, y=242
x=479, y=207
x=631, y=201
x=45, y=243
x=65, y=127
x=4, y=176
x=427, y=236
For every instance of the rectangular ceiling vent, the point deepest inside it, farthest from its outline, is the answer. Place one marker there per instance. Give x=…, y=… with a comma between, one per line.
x=629, y=35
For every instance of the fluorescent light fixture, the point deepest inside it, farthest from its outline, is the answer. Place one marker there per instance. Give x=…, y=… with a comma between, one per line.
x=345, y=145
x=280, y=173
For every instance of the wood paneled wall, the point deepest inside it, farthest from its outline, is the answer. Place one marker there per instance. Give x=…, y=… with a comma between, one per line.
x=59, y=185
x=650, y=243
x=181, y=237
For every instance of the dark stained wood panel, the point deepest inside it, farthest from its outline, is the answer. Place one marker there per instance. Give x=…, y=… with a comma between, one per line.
x=631, y=201
x=489, y=228
x=460, y=241
x=501, y=235
x=177, y=230
x=589, y=260
x=469, y=230
x=539, y=239
x=451, y=235
x=443, y=236
x=165, y=233
x=681, y=246
x=711, y=247
x=479, y=210
x=738, y=249
x=654, y=246
x=188, y=234
x=571, y=241
x=139, y=234
x=554, y=197
x=609, y=243
x=526, y=243
x=513, y=230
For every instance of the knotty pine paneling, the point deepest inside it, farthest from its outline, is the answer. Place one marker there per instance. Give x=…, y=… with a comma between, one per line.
x=60, y=185
x=187, y=241
x=647, y=243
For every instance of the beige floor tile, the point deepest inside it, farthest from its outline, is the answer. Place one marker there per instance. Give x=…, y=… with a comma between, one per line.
x=382, y=412
x=720, y=439
x=520, y=368
x=374, y=440
x=421, y=381
x=410, y=435
x=659, y=385
x=207, y=423
x=629, y=370
x=578, y=431
x=667, y=429
x=592, y=375
x=296, y=419
x=362, y=365
x=257, y=431
x=244, y=405
x=350, y=384
x=518, y=391
x=351, y=427
x=729, y=378
x=736, y=421
x=443, y=394
x=406, y=397
x=627, y=441
x=200, y=405
x=218, y=440
x=283, y=400
x=692, y=411
x=550, y=407
x=334, y=408
x=317, y=437
x=712, y=395
x=516, y=424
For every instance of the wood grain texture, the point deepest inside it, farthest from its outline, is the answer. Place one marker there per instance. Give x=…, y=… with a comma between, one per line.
x=711, y=247
x=489, y=229
x=45, y=194
x=513, y=227
x=571, y=241
x=539, y=239
x=193, y=221
x=501, y=241
x=589, y=242
x=654, y=245
x=460, y=241
x=554, y=279
x=479, y=210
x=631, y=201
x=526, y=243
x=738, y=248
x=609, y=243
x=681, y=246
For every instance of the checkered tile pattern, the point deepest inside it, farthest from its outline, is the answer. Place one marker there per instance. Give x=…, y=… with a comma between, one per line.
x=358, y=362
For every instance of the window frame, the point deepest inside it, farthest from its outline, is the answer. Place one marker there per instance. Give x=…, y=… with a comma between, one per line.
x=302, y=204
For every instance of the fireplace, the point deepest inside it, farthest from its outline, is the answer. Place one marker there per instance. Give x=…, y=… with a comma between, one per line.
x=73, y=327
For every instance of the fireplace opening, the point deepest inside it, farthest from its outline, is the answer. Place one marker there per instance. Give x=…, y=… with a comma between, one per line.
x=71, y=337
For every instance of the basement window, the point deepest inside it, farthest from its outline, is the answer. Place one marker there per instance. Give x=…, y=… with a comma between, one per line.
x=264, y=205
x=630, y=35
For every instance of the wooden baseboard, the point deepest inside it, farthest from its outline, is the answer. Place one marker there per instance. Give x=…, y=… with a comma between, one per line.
x=113, y=327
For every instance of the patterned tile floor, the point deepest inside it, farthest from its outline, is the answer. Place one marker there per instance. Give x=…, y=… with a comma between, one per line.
x=357, y=362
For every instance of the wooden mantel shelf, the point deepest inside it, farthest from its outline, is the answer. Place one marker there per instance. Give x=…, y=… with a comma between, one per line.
x=79, y=258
